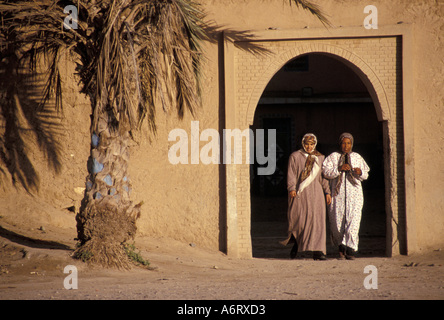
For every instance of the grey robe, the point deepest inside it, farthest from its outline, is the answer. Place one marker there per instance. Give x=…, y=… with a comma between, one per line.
x=306, y=212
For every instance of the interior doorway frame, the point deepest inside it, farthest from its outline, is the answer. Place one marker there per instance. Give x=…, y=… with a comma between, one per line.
x=393, y=105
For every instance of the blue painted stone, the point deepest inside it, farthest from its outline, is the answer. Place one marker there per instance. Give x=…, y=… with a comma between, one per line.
x=108, y=180
x=97, y=166
x=94, y=140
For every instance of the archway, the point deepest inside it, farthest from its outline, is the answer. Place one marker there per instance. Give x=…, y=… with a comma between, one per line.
x=319, y=93
x=383, y=63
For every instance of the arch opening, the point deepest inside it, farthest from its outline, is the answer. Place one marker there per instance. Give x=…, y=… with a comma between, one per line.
x=323, y=94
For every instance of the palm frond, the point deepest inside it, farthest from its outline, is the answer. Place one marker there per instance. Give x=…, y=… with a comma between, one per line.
x=150, y=48
x=170, y=34
x=314, y=9
x=33, y=30
x=133, y=55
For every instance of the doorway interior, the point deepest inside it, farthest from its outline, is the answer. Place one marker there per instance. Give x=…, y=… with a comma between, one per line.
x=316, y=93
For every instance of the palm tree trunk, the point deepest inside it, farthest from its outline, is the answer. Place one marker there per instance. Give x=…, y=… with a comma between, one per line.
x=107, y=217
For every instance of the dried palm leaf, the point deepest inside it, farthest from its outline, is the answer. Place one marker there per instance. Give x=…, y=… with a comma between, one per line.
x=314, y=9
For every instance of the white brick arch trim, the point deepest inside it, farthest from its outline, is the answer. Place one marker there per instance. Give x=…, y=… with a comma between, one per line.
x=357, y=64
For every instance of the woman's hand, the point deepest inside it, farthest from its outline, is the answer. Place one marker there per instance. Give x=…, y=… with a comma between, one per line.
x=357, y=171
x=292, y=193
x=328, y=198
x=345, y=167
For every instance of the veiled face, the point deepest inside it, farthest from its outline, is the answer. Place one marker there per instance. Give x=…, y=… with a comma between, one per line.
x=309, y=146
x=346, y=145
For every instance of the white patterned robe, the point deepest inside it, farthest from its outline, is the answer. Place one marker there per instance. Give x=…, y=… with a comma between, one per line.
x=346, y=208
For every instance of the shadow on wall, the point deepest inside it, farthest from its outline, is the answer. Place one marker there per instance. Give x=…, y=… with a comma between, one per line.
x=24, y=123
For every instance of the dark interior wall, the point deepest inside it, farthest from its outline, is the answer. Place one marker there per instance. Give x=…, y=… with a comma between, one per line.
x=322, y=72
x=327, y=121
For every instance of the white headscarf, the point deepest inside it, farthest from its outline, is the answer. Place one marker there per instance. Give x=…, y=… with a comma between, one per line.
x=310, y=157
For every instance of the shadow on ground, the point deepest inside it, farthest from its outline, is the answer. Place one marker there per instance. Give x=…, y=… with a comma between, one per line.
x=31, y=242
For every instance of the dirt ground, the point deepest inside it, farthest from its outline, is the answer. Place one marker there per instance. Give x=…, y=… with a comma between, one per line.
x=32, y=262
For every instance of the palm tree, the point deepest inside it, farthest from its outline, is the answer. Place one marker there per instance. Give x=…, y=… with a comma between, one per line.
x=132, y=55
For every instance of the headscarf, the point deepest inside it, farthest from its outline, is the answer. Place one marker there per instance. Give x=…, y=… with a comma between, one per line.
x=311, y=157
x=346, y=135
x=345, y=158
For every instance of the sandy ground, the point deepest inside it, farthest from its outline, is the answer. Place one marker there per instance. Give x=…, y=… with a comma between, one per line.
x=32, y=266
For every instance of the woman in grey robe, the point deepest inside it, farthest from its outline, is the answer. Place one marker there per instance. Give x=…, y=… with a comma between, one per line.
x=308, y=192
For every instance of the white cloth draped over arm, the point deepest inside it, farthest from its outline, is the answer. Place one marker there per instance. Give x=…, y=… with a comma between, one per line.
x=313, y=174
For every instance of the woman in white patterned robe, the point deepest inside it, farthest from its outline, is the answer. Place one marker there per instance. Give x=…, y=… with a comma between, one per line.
x=345, y=170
